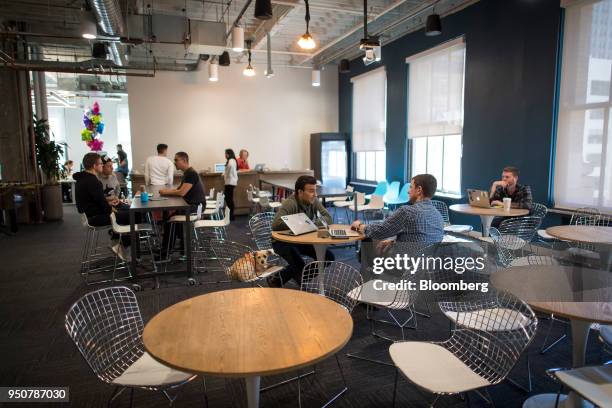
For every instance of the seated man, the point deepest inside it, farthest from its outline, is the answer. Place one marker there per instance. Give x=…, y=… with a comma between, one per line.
x=508, y=187
x=419, y=223
x=90, y=198
x=108, y=178
x=304, y=200
x=192, y=191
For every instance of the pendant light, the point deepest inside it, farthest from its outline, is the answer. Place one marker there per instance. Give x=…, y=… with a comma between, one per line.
x=316, y=76
x=237, y=39
x=249, y=71
x=306, y=41
x=263, y=9
x=213, y=71
x=88, y=26
x=369, y=44
x=224, y=59
x=433, y=26
x=269, y=72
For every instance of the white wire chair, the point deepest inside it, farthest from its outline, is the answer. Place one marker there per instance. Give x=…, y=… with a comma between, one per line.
x=205, y=232
x=512, y=236
x=106, y=326
x=471, y=358
x=238, y=262
x=95, y=254
x=448, y=227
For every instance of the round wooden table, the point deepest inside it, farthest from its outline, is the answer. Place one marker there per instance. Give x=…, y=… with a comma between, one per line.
x=248, y=333
x=599, y=237
x=487, y=214
x=583, y=296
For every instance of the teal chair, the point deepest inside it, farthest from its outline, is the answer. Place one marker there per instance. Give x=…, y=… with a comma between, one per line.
x=392, y=192
x=402, y=197
x=381, y=189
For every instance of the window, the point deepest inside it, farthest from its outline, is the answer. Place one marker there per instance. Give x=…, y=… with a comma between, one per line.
x=583, y=155
x=435, y=113
x=370, y=125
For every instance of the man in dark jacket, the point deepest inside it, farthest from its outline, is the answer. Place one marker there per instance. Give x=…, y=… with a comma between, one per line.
x=90, y=198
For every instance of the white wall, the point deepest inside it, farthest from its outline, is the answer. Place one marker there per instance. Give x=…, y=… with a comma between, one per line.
x=272, y=118
x=67, y=124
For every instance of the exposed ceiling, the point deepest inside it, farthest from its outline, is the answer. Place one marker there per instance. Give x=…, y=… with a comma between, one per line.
x=336, y=26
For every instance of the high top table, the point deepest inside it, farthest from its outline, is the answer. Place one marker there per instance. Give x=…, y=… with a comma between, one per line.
x=487, y=214
x=584, y=296
x=165, y=204
x=599, y=237
x=248, y=333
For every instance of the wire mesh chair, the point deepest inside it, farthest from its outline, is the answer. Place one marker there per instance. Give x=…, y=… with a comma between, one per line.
x=471, y=358
x=106, y=326
x=512, y=236
x=205, y=232
x=334, y=280
x=448, y=227
x=239, y=263
x=584, y=252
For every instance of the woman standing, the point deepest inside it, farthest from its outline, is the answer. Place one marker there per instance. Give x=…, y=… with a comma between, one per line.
x=243, y=160
x=230, y=177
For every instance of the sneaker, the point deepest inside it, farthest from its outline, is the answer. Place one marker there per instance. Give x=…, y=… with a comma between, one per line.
x=122, y=253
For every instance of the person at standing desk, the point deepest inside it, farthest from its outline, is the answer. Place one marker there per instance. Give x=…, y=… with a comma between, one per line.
x=508, y=187
x=230, y=178
x=159, y=170
x=243, y=160
x=192, y=191
x=304, y=200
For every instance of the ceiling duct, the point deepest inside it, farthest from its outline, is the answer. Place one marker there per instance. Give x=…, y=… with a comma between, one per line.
x=110, y=19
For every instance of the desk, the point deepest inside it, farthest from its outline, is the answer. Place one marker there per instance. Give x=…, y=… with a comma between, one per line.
x=487, y=214
x=600, y=237
x=170, y=203
x=583, y=296
x=248, y=333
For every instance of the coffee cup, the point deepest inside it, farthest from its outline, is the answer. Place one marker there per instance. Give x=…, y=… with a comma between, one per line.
x=507, y=203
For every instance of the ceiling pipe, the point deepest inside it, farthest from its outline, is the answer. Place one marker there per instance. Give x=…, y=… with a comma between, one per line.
x=110, y=19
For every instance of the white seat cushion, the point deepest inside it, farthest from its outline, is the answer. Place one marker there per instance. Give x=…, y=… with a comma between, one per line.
x=434, y=368
x=494, y=319
x=181, y=218
x=458, y=229
x=268, y=272
x=544, y=235
x=146, y=371
x=594, y=383
x=343, y=204
x=125, y=229
x=367, y=294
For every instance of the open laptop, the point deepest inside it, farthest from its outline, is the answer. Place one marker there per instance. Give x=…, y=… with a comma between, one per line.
x=298, y=224
x=478, y=198
x=219, y=167
x=259, y=166
x=337, y=232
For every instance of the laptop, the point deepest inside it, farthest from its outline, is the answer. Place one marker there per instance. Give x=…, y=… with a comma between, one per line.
x=260, y=166
x=478, y=198
x=298, y=224
x=219, y=167
x=338, y=232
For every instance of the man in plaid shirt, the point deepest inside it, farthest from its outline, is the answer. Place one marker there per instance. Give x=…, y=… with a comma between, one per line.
x=508, y=187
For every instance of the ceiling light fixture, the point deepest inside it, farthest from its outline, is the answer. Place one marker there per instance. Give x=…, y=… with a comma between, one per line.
x=371, y=45
x=224, y=59
x=238, y=39
x=249, y=71
x=88, y=26
x=269, y=72
x=433, y=26
x=213, y=71
x=263, y=9
x=306, y=42
x=316, y=76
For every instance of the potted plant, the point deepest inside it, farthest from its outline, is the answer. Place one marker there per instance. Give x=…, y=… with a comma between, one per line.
x=48, y=155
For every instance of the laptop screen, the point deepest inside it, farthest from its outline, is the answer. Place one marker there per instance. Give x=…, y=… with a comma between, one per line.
x=219, y=167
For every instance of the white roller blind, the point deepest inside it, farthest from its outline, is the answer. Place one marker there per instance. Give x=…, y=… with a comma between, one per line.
x=583, y=155
x=369, y=111
x=435, y=91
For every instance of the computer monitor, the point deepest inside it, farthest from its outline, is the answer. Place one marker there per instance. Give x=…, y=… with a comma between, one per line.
x=219, y=167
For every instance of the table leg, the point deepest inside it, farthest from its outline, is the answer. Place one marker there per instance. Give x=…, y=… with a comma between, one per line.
x=252, y=388
x=133, y=240
x=580, y=335
x=187, y=237
x=486, y=221
x=73, y=192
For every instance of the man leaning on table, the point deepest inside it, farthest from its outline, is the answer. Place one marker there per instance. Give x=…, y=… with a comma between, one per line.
x=159, y=169
x=508, y=187
x=304, y=200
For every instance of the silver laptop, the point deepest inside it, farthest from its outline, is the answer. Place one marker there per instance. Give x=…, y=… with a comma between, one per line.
x=259, y=166
x=338, y=232
x=478, y=198
x=298, y=224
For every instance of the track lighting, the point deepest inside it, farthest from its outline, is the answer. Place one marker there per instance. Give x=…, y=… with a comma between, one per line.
x=224, y=59
x=306, y=41
x=238, y=39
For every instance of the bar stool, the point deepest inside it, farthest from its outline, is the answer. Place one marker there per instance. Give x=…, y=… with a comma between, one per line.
x=94, y=255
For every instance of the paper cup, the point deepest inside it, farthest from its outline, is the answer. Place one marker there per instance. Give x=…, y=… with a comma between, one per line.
x=507, y=203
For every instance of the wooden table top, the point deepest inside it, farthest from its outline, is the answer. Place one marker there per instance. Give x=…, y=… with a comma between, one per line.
x=582, y=233
x=248, y=332
x=570, y=292
x=496, y=211
x=312, y=239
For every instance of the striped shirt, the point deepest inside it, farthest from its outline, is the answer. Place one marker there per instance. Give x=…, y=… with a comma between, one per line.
x=420, y=222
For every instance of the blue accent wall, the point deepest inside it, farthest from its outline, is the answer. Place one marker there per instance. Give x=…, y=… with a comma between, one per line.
x=509, y=96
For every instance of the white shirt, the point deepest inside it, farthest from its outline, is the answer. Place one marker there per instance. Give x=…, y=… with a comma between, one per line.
x=230, y=176
x=159, y=171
